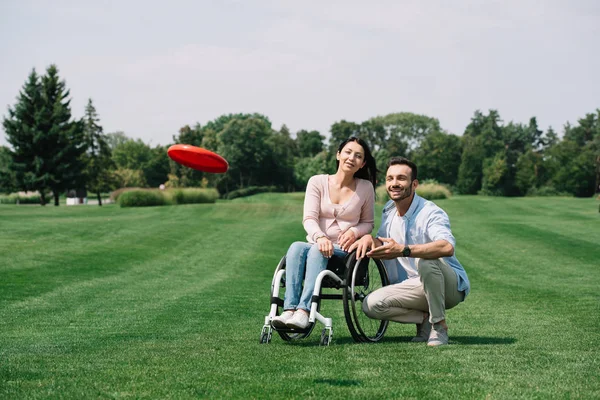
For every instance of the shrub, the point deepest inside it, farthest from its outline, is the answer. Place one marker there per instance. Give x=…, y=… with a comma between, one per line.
x=142, y=198
x=114, y=196
x=248, y=191
x=16, y=198
x=191, y=196
x=546, y=191
x=156, y=197
x=429, y=190
x=433, y=191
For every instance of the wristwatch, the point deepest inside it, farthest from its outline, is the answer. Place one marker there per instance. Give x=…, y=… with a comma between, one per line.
x=406, y=251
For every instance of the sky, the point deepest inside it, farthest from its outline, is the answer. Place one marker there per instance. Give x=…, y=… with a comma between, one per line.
x=151, y=67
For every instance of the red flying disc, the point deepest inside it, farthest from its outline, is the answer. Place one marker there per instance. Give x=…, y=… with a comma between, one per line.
x=197, y=158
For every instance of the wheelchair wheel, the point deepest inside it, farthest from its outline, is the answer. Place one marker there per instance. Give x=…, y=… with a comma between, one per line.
x=362, y=279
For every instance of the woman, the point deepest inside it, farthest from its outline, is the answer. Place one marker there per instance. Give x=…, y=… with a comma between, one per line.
x=338, y=210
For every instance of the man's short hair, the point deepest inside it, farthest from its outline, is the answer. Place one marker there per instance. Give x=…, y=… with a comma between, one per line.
x=404, y=161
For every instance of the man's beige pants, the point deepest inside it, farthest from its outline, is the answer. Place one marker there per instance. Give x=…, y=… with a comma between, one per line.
x=410, y=301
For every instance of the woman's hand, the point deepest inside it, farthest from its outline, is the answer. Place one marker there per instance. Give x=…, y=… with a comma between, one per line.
x=325, y=246
x=346, y=240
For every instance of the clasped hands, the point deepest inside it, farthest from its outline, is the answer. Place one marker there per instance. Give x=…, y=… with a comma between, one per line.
x=380, y=248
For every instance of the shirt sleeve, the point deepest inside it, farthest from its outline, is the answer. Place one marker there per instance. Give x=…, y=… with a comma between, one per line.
x=366, y=222
x=382, y=232
x=438, y=227
x=312, y=209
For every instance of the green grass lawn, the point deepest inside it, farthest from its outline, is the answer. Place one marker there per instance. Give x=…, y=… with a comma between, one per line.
x=168, y=302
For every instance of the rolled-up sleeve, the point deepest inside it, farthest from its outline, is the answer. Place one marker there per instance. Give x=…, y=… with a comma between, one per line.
x=438, y=227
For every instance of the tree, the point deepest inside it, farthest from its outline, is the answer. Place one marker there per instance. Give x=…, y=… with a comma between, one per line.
x=482, y=140
x=137, y=155
x=341, y=131
x=115, y=139
x=7, y=177
x=374, y=134
x=23, y=132
x=573, y=168
x=439, y=157
x=529, y=172
x=47, y=146
x=243, y=143
x=180, y=175
x=62, y=141
x=574, y=162
x=211, y=141
x=308, y=143
x=131, y=154
x=306, y=167
x=156, y=169
x=405, y=131
x=495, y=175
x=126, y=177
x=281, y=156
x=98, y=157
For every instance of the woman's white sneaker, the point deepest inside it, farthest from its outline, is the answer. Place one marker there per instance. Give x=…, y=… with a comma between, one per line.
x=280, y=320
x=298, y=321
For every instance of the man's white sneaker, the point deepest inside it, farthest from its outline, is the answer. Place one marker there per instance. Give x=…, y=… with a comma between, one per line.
x=280, y=320
x=298, y=321
x=438, y=336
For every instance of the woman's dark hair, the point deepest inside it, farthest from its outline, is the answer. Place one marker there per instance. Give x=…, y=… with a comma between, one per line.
x=369, y=171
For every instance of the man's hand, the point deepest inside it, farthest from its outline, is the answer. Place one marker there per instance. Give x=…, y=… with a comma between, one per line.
x=346, y=240
x=390, y=249
x=363, y=245
x=325, y=246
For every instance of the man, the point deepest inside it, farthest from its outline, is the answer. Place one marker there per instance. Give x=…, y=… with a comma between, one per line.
x=417, y=246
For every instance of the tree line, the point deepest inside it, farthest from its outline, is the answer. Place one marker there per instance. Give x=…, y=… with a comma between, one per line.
x=52, y=152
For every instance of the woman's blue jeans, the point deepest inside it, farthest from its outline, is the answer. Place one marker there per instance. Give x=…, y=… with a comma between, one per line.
x=304, y=261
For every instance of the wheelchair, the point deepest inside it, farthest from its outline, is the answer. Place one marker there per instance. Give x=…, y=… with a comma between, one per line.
x=355, y=278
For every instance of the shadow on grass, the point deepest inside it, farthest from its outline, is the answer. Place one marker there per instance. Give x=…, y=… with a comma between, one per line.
x=457, y=340
x=460, y=340
x=481, y=340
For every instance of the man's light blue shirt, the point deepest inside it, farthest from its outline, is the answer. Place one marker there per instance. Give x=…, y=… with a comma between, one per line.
x=424, y=222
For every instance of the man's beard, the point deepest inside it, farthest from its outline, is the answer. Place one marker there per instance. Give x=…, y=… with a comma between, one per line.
x=406, y=193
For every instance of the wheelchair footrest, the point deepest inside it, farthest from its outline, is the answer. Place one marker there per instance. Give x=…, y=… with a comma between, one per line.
x=290, y=330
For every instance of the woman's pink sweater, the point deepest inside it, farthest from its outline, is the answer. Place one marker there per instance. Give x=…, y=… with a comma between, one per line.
x=321, y=216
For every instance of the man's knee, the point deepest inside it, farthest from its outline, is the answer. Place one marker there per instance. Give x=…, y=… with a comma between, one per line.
x=428, y=267
x=374, y=307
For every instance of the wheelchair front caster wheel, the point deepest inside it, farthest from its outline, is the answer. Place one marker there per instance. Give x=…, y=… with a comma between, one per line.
x=325, y=337
x=265, y=336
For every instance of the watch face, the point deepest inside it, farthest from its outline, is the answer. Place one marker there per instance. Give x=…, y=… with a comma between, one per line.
x=406, y=251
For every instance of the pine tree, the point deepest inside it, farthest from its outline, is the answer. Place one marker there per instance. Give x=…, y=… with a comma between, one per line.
x=61, y=138
x=98, y=156
x=25, y=134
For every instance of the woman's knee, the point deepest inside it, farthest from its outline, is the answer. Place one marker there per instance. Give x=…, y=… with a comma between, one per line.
x=296, y=249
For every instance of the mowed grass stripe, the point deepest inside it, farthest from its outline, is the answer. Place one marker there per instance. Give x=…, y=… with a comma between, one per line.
x=184, y=321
